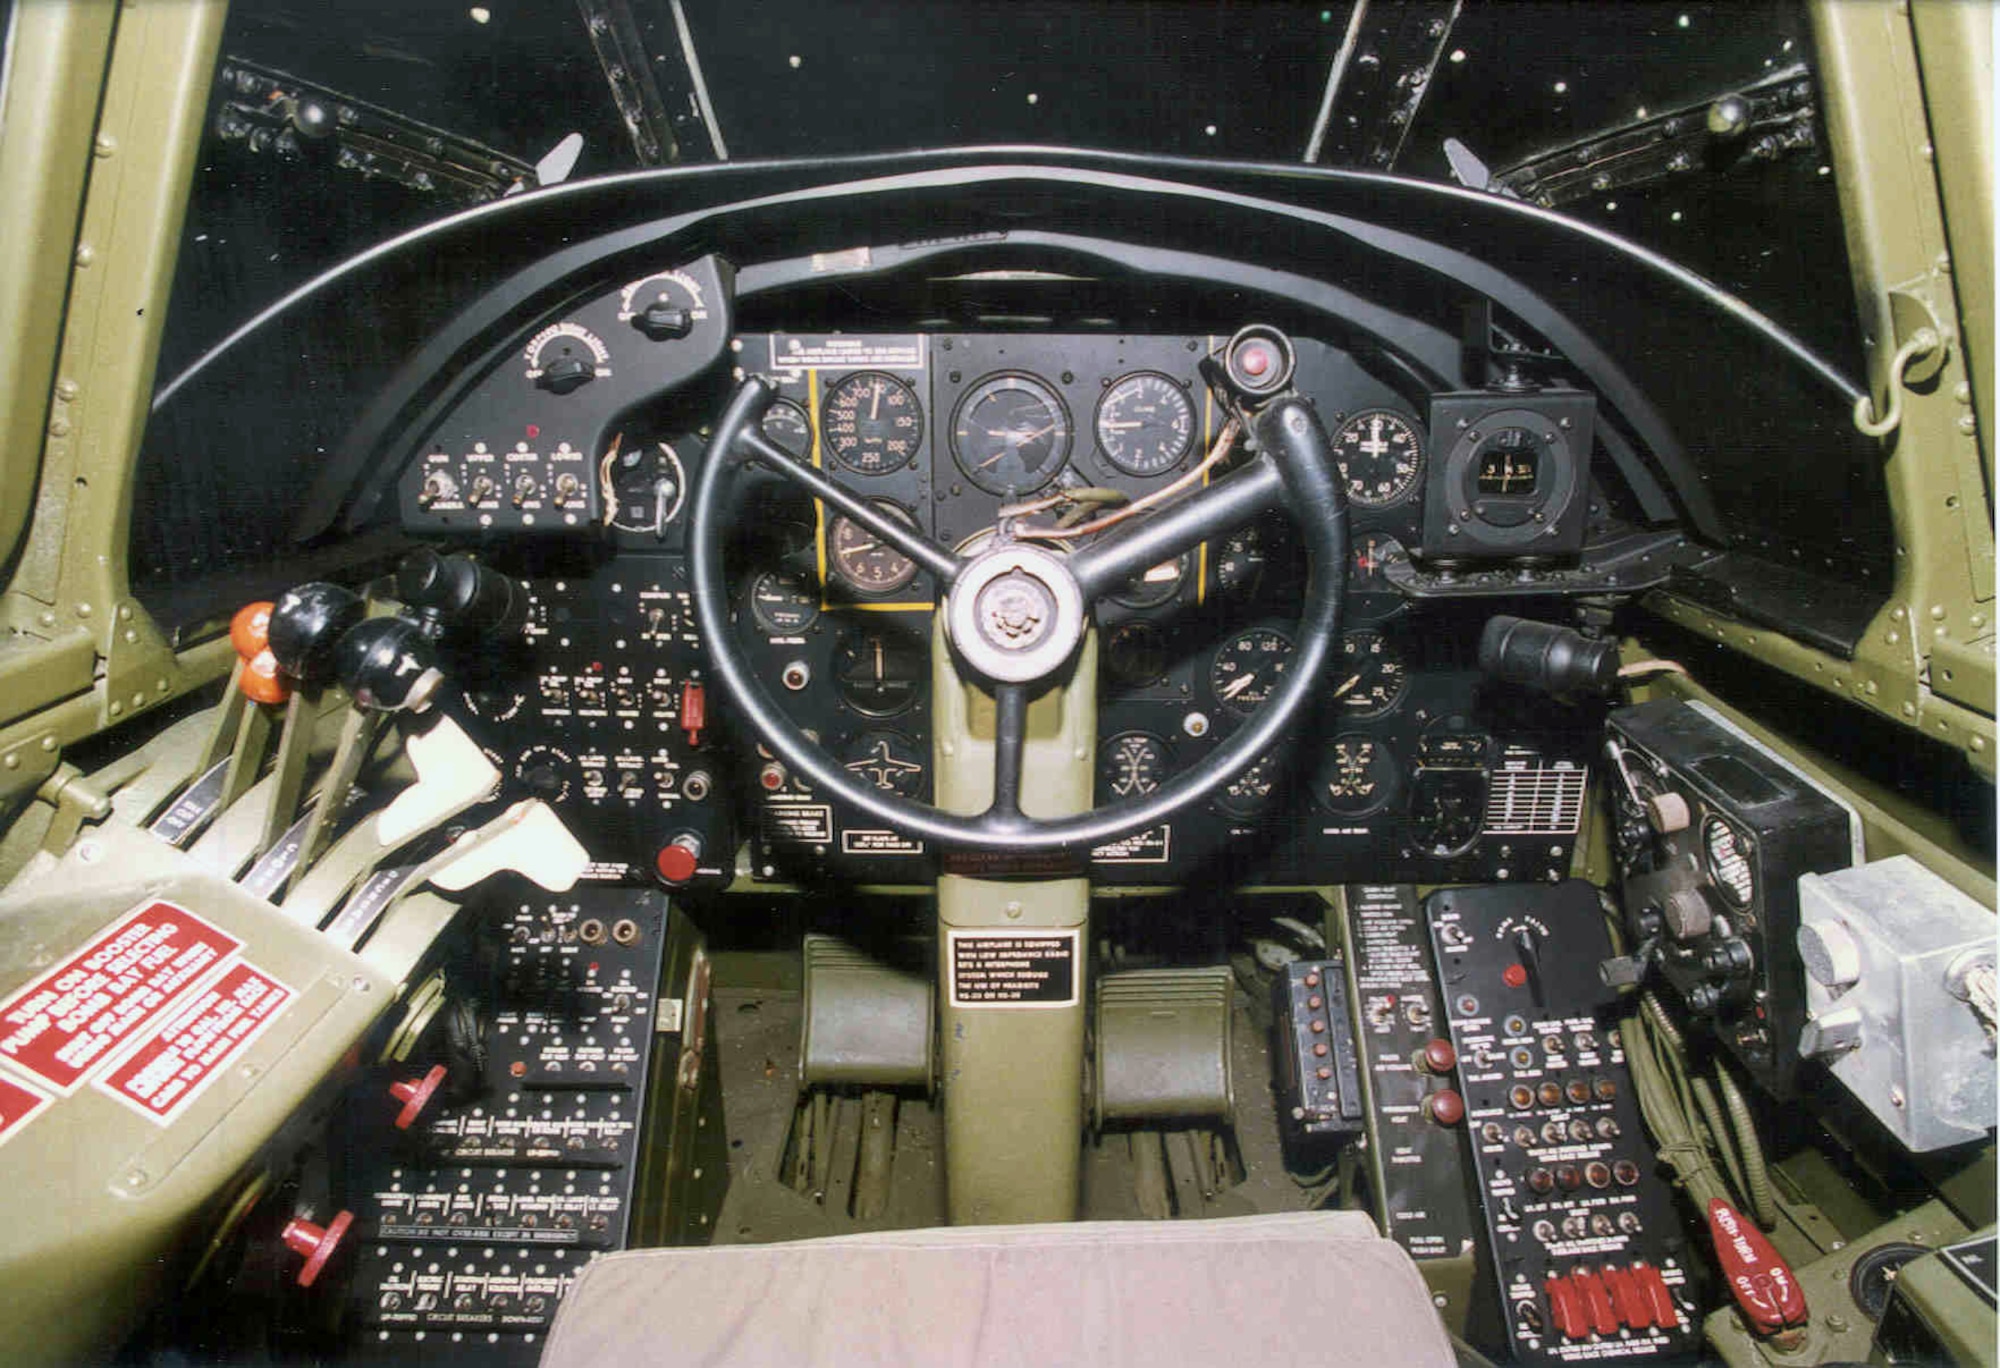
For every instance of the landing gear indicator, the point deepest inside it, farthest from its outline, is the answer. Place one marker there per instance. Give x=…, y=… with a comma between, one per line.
x=1014, y=968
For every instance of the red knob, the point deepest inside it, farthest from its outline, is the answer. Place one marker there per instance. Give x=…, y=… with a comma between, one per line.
x=694, y=710
x=1762, y=1282
x=415, y=1095
x=1437, y=1057
x=676, y=862
x=1514, y=976
x=260, y=680
x=317, y=1243
x=250, y=629
x=1446, y=1107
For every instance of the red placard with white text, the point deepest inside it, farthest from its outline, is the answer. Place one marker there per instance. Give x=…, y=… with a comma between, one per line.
x=19, y=1105
x=69, y=1019
x=168, y=1071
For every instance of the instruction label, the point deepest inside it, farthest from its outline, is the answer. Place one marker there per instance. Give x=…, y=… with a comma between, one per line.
x=788, y=352
x=166, y=1073
x=19, y=1104
x=1014, y=968
x=68, y=1020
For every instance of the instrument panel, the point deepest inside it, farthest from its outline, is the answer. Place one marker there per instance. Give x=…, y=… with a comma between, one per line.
x=1413, y=766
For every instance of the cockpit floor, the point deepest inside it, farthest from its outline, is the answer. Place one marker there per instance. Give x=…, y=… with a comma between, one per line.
x=1126, y=1175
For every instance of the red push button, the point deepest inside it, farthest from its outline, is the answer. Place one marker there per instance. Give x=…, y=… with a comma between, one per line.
x=1446, y=1107
x=1514, y=976
x=1437, y=1057
x=1627, y=1299
x=415, y=1094
x=1596, y=1301
x=317, y=1243
x=677, y=863
x=1566, y=1308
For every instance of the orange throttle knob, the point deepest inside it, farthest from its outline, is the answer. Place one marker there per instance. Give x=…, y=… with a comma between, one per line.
x=415, y=1094
x=250, y=629
x=260, y=680
x=317, y=1243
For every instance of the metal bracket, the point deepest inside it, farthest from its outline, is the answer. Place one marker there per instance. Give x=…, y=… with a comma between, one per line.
x=1378, y=81
x=1766, y=120
x=661, y=96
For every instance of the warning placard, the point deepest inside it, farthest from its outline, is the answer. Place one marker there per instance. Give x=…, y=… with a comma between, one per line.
x=69, y=1019
x=167, y=1072
x=18, y=1106
x=1014, y=968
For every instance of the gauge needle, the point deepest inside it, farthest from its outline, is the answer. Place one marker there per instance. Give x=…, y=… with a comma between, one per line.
x=1110, y=425
x=881, y=670
x=1238, y=684
x=875, y=403
x=859, y=547
x=1352, y=680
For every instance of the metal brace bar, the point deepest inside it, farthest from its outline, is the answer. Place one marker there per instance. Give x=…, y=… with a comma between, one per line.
x=1378, y=81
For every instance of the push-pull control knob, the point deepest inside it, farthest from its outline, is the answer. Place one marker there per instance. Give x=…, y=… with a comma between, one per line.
x=1436, y=1057
x=307, y=623
x=317, y=1243
x=1446, y=1107
x=415, y=1094
x=679, y=859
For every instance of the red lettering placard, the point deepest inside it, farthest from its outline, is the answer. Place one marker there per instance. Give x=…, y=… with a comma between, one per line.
x=68, y=1020
x=169, y=1070
x=19, y=1105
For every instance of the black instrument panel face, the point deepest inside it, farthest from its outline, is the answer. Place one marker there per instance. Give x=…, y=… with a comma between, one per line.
x=1410, y=768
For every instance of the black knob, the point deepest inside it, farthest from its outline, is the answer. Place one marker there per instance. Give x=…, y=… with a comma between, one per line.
x=663, y=322
x=470, y=598
x=1540, y=655
x=306, y=624
x=565, y=374
x=388, y=664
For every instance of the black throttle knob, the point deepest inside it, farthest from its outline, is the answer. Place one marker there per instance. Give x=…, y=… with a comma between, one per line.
x=470, y=599
x=306, y=624
x=1554, y=660
x=388, y=664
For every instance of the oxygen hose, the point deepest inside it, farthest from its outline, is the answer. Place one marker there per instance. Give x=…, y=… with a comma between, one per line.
x=1696, y=1120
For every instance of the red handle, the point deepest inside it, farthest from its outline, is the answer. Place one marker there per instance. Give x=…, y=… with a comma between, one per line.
x=1764, y=1287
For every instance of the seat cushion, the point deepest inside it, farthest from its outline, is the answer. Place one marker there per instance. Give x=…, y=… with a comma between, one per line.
x=1223, y=1293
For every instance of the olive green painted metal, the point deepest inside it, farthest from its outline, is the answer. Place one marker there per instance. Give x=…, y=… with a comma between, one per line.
x=684, y=1169
x=70, y=584
x=1163, y=1052
x=867, y=1024
x=1958, y=1318
x=55, y=69
x=1012, y=1077
x=99, y=1198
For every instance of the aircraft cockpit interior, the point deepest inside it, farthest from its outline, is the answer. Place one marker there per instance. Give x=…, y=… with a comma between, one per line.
x=997, y=683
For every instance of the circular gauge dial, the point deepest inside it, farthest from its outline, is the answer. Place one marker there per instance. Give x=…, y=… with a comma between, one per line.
x=863, y=561
x=886, y=760
x=1727, y=862
x=783, y=603
x=1372, y=675
x=871, y=423
x=1248, y=668
x=787, y=426
x=1153, y=587
x=644, y=488
x=1358, y=777
x=1010, y=434
x=1240, y=559
x=879, y=672
x=1136, y=654
x=1145, y=423
x=1381, y=454
x=1130, y=765
x=1249, y=793
x=1370, y=596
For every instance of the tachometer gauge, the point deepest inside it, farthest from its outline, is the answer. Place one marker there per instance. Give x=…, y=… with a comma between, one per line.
x=863, y=561
x=886, y=760
x=1370, y=596
x=788, y=428
x=1136, y=654
x=644, y=487
x=1357, y=777
x=1248, y=668
x=1727, y=862
x=871, y=423
x=1249, y=792
x=1145, y=423
x=1381, y=454
x=1131, y=764
x=878, y=671
x=1153, y=587
x=783, y=603
x=1372, y=676
x=1010, y=434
